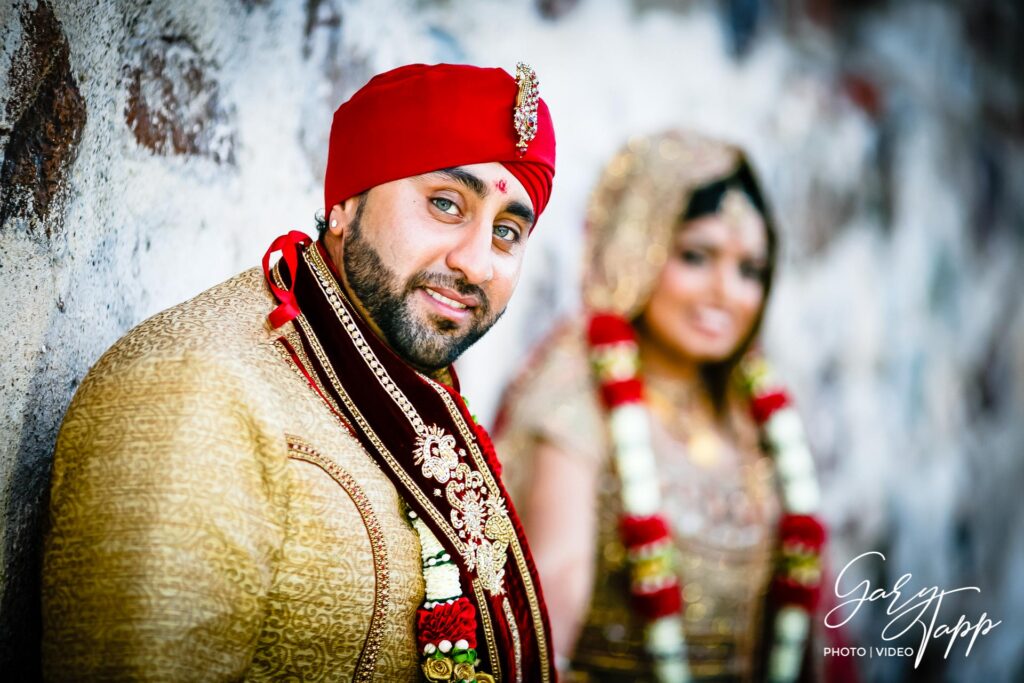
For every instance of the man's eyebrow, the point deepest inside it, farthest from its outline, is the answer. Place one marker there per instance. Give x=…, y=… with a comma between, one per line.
x=464, y=177
x=479, y=187
x=522, y=211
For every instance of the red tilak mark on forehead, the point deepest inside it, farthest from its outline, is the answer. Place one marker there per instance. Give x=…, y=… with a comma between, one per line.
x=501, y=185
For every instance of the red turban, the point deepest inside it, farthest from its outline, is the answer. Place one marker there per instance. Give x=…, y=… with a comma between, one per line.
x=419, y=118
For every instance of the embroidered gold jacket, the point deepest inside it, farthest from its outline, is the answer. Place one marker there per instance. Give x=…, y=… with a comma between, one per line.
x=212, y=519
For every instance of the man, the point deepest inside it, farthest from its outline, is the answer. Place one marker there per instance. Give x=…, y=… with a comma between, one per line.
x=278, y=479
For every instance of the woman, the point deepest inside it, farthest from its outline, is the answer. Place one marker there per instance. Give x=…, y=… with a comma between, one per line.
x=661, y=476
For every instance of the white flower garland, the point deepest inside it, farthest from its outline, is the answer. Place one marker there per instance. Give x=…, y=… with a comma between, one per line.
x=664, y=638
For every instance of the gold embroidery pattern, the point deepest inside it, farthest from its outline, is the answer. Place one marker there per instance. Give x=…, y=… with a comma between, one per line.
x=300, y=352
x=295, y=341
x=478, y=515
x=350, y=405
x=453, y=537
x=393, y=464
x=153, y=436
x=378, y=445
x=434, y=454
x=492, y=646
x=517, y=647
x=506, y=533
x=329, y=286
x=299, y=450
x=435, y=451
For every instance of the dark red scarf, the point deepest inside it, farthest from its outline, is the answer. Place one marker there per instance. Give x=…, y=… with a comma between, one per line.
x=424, y=439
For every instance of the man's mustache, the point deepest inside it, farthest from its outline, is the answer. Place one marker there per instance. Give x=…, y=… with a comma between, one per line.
x=453, y=282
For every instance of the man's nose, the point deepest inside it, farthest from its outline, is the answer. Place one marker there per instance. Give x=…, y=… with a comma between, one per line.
x=472, y=254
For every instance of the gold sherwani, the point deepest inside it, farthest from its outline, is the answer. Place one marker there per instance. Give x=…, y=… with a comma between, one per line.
x=212, y=519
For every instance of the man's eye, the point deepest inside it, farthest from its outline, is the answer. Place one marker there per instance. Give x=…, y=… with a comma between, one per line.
x=505, y=233
x=446, y=205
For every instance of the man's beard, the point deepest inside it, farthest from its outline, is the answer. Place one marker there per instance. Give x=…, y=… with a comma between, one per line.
x=430, y=345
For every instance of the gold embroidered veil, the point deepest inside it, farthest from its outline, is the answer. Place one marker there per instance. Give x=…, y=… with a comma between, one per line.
x=635, y=209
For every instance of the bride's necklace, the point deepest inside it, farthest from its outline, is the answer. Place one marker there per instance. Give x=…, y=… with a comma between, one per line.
x=688, y=418
x=654, y=584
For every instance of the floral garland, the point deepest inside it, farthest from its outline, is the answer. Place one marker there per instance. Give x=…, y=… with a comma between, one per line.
x=446, y=624
x=654, y=584
x=797, y=583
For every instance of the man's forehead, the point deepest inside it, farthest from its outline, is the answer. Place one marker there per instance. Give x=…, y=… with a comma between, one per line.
x=485, y=179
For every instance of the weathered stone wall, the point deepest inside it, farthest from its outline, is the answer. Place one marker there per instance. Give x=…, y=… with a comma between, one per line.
x=153, y=149
x=150, y=150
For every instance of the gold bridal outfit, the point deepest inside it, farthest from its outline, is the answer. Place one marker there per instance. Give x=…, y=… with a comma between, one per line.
x=720, y=496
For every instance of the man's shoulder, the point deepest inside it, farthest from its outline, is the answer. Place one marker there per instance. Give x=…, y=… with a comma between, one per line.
x=221, y=323
x=219, y=329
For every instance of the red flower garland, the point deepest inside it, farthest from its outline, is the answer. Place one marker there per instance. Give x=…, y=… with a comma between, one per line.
x=798, y=576
x=613, y=344
x=452, y=621
x=762, y=406
x=620, y=393
x=798, y=580
x=805, y=530
x=605, y=333
x=608, y=328
x=659, y=603
x=639, y=531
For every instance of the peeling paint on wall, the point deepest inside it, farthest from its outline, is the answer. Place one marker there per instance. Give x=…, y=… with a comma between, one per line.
x=48, y=115
x=174, y=102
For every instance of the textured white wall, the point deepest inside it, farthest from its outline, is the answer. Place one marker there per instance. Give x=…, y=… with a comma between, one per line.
x=890, y=312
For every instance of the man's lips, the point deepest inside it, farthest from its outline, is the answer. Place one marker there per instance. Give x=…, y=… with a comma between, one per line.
x=452, y=298
x=450, y=304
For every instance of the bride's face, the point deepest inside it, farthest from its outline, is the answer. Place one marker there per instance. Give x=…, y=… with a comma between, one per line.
x=710, y=292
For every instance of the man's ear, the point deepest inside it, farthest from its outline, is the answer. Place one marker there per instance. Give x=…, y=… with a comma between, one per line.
x=342, y=215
